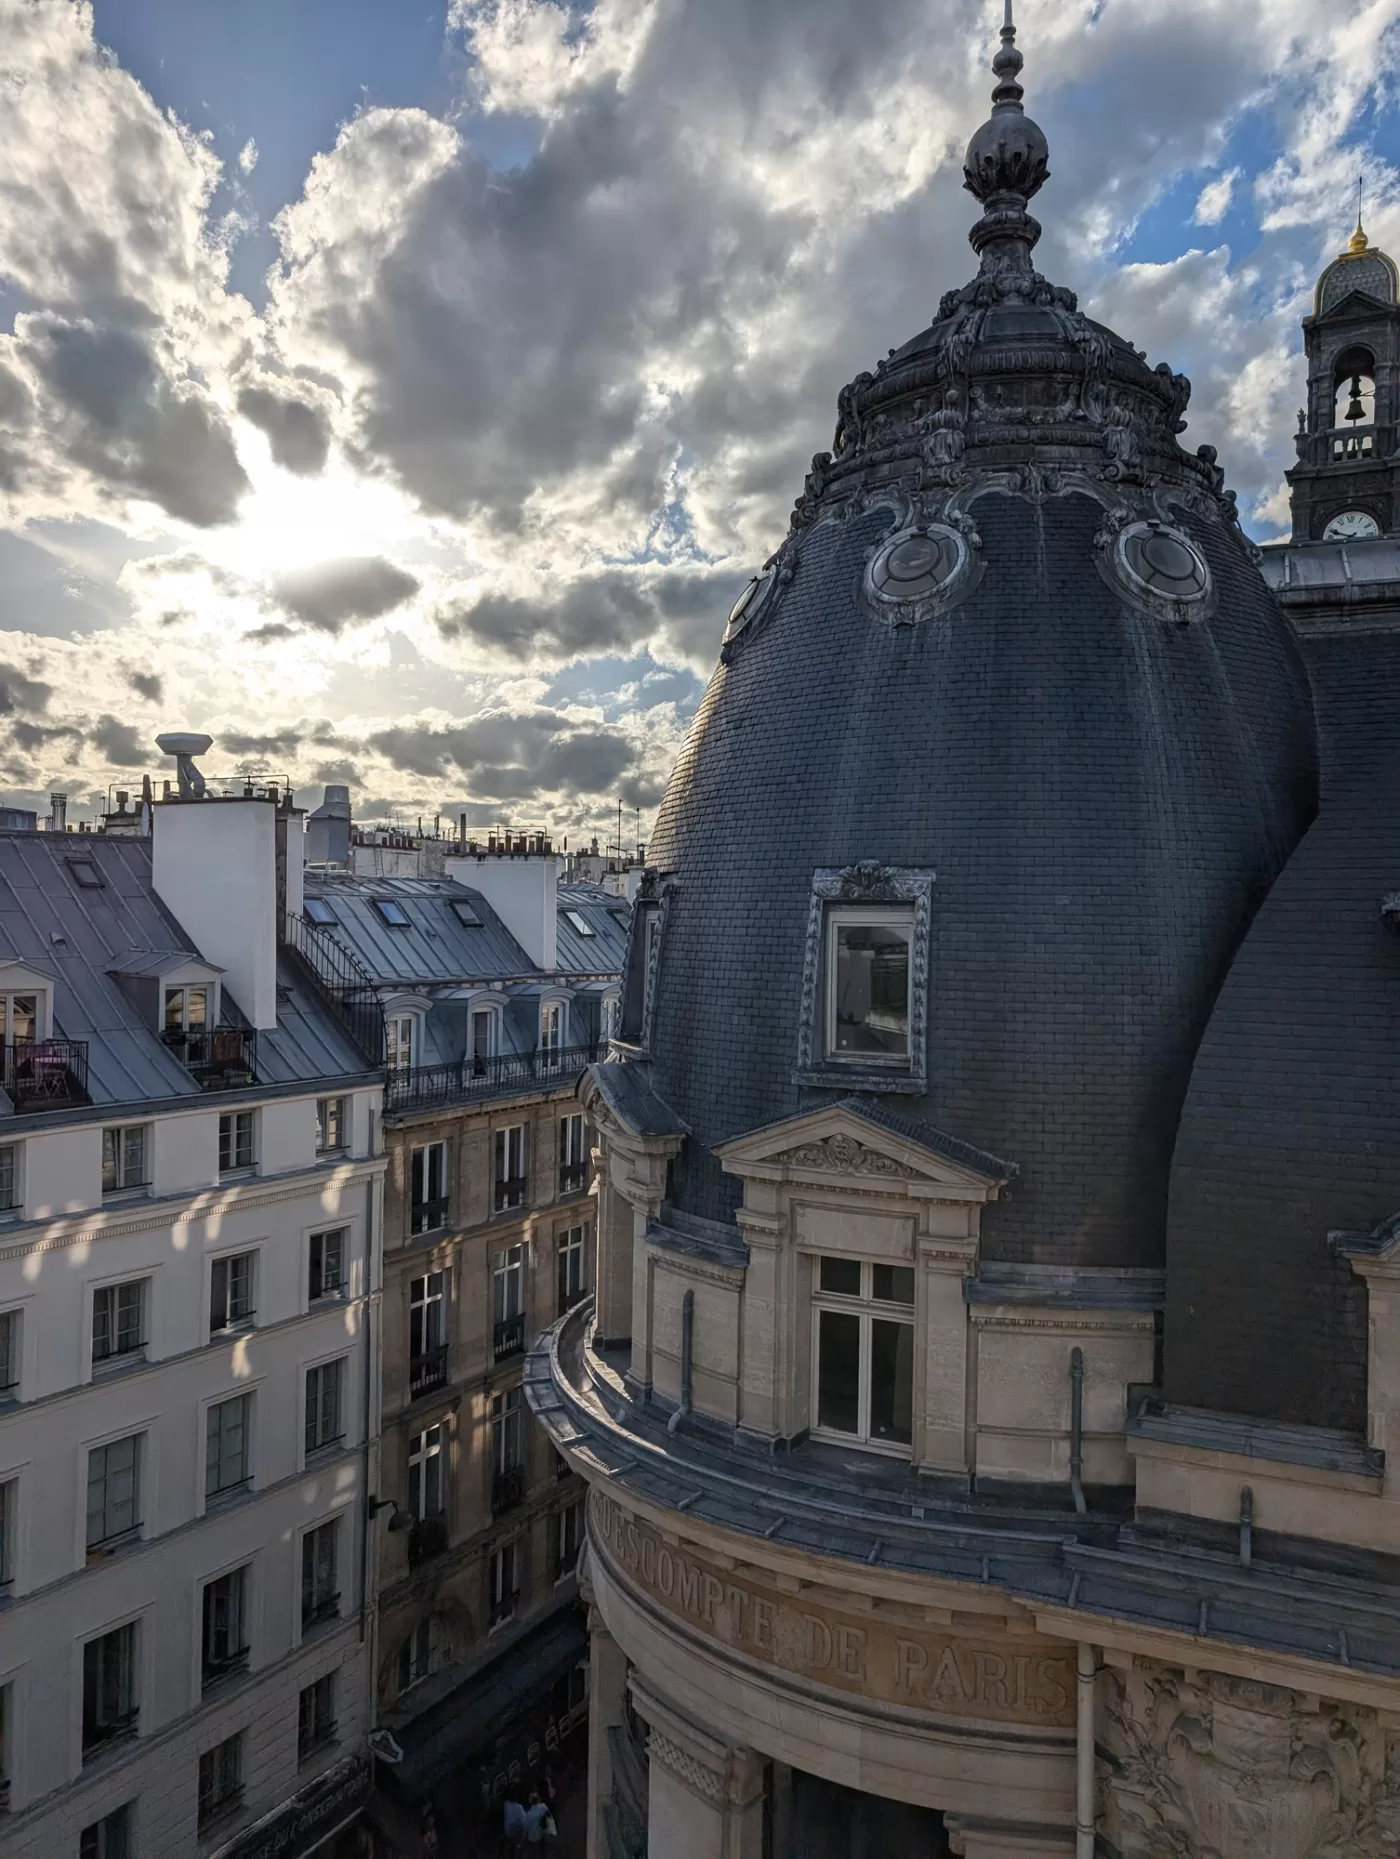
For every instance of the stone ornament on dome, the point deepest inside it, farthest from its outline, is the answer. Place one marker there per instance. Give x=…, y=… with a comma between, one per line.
x=1007, y=163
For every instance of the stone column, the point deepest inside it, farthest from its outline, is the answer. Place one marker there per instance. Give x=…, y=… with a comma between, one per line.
x=943, y=1334
x=705, y=1796
x=613, y=1305
x=607, y=1709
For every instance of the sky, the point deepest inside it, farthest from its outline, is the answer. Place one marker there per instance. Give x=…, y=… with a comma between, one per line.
x=401, y=391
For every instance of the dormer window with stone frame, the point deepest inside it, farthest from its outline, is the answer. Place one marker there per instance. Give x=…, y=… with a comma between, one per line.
x=864, y=1011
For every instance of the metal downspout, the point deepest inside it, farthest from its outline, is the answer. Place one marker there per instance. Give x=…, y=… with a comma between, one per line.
x=1076, y=1429
x=687, y=1356
x=1084, y=1756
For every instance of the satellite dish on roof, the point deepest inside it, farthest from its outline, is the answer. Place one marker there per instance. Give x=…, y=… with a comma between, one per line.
x=184, y=745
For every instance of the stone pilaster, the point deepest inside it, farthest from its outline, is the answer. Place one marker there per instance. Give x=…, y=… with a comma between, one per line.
x=706, y=1795
x=607, y=1711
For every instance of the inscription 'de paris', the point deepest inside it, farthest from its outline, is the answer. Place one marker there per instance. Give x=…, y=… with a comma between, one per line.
x=1027, y=1682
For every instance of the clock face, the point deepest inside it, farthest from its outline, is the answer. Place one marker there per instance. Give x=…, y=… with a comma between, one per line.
x=1351, y=526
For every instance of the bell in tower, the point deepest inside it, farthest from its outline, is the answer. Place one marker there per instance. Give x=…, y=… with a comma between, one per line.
x=1346, y=483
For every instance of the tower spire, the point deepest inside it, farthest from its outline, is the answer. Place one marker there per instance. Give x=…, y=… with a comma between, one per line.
x=1006, y=165
x=1358, y=242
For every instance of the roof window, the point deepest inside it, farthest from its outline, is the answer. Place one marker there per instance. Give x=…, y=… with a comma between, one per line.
x=465, y=914
x=392, y=912
x=317, y=910
x=85, y=874
x=580, y=923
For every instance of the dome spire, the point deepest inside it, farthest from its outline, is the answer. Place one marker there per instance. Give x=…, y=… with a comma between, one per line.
x=1007, y=164
x=1358, y=243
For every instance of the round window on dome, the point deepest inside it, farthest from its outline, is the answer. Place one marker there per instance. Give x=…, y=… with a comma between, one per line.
x=916, y=567
x=748, y=605
x=1164, y=563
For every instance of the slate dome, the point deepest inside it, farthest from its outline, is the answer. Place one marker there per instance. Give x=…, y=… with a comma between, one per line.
x=1016, y=656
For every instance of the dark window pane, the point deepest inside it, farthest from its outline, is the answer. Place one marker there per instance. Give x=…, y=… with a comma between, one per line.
x=892, y=1284
x=838, y=1371
x=891, y=1381
x=872, y=989
x=842, y=1275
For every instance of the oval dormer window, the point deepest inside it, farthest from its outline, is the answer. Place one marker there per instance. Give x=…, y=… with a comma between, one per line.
x=748, y=606
x=918, y=572
x=1161, y=570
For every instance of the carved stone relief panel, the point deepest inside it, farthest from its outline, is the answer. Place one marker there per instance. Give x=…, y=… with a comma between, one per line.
x=1206, y=1766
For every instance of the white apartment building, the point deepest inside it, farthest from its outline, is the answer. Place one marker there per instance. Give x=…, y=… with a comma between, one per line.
x=190, y=1194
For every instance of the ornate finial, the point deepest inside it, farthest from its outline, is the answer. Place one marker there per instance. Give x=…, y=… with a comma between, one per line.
x=1007, y=164
x=1358, y=242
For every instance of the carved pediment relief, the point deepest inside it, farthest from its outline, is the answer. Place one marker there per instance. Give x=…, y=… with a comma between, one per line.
x=843, y=1155
x=1217, y=1767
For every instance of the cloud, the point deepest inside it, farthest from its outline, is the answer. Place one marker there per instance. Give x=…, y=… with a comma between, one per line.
x=248, y=156
x=1213, y=202
x=283, y=743
x=361, y=588
x=512, y=756
x=148, y=686
x=298, y=432
x=21, y=695
x=119, y=743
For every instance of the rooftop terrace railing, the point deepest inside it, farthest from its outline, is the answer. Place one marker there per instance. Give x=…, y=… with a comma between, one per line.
x=343, y=983
x=46, y=1074
x=218, y=1058
x=432, y=1087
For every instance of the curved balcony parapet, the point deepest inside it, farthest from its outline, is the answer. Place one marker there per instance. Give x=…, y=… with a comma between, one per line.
x=888, y=1518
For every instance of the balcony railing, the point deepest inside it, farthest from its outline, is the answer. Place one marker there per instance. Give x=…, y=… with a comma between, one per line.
x=428, y=1216
x=568, y=1298
x=342, y=981
x=507, y=1489
x=572, y=1177
x=427, y=1538
x=1345, y=444
x=426, y=1087
x=427, y=1372
x=218, y=1058
x=511, y=1192
x=508, y=1336
x=46, y=1074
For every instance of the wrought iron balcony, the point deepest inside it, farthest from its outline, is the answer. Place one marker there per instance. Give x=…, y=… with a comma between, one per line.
x=503, y=1606
x=428, y=1087
x=428, y=1216
x=507, y=1489
x=46, y=1074
x=427, y=1538
x=218, y=1058
x=511, y=1192
x=427, y=1371
x=508, y=1336
x=572, y=1177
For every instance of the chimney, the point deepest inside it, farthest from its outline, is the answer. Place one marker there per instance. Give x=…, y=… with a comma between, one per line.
x=214, y=867
x=58, y=813
x=523, y=890
x=328, y=829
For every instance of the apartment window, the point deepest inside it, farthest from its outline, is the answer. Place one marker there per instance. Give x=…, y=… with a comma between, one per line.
x=570, y=1267
x=316, y=1717
x=228, y=1445
x=124, y=1157
x=421, y=1653
x=236, y=1148
x=863, y=1352
x=568, y=1535
x=112, y=1837
x=118, y=1322
x=573, y=1153
x=510, y=1167
x=113, y=1491
x=320, y=1596
x=398, y=1034
x=611, y=1013
x=428, y=1188
x=6, y=1735
x=332, y=1125
x=9, y=1177
x=323, y=1405
x=466, y=913
x=508, y=1301
x=231, y=1292
x=186, y=1009
x=8, y=1494
x=224, y=1631
x=867, y=984
x=507, y=1450
x=220, y=1780
x=551, y=1033
x=483, y=1040
x=425, y=1473
x=326, y=1274
x=503, y=1586
x=427, y=1344
x=110, y=1697
x=10, y=1339
x=19, y=1017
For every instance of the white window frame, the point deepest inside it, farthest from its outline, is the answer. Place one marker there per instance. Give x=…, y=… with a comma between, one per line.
x=339, y=1365
x=117, y=1359
x=237, y=1169
x=507, y=1430
x=338, y=1293
x=12, y=1181
x=42, y=998
x=553, y=1022
x=868, y=1309
x=573, y=1147
x=571, y=1256
x=427, y=1457
x=427, y=1150
x=123, y=1138
x=429, y=1309
x=508, y=1288
x=234, y=1326
x=491, y=1014
x=184, y=989
x=510, y=1143
x=503, y=1577
x=324, y=1147
x=216, y=1406
x=134, y=1531
x=402, y=1038
x=11, y=1353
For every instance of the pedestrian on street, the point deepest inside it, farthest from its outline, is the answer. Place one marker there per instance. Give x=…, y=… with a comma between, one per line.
x=515, y=1825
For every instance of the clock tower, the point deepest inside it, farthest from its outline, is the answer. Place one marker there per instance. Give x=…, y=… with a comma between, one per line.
x=1346, y=484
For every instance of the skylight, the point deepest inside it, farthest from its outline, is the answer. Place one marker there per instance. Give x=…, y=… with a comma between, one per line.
x=465, y=913
x=580, y=923
x=392, y=913
x=85, y=874
x=317, y=910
